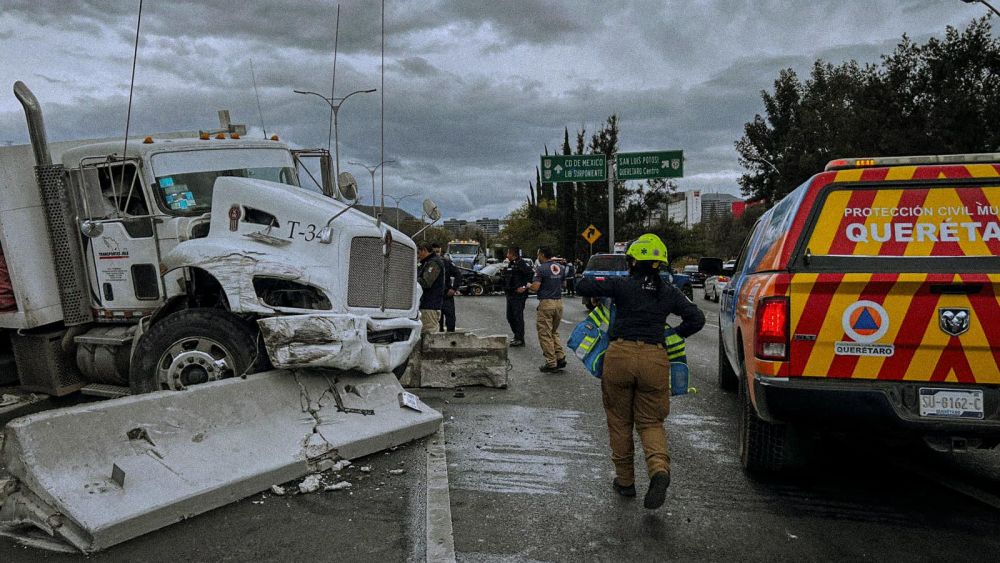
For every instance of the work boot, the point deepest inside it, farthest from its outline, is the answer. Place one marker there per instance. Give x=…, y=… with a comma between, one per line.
x=516, y=343
x=622, y=490
x=561, y=363
x=546, y=368
x=657, y=492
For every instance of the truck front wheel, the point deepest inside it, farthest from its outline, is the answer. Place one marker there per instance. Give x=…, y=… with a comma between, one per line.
x=192, y=346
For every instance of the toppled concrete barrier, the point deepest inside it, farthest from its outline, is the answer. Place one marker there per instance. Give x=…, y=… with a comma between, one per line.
x=98, y=474
x=458, y=359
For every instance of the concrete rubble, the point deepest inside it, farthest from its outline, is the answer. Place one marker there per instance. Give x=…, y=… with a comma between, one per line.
x=458, y=359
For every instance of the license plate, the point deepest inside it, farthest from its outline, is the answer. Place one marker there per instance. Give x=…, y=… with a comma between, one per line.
x=951, y=403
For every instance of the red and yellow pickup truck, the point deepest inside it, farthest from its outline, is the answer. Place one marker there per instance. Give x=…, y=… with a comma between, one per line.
x=868, y=299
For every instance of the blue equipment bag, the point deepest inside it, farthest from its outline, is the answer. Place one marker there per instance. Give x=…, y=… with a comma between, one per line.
x=589, y=342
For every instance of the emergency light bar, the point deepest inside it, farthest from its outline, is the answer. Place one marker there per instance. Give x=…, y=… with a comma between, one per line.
x=846, y=163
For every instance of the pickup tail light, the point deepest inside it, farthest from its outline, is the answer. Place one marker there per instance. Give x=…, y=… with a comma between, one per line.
x=723, y=279
x=771, y=341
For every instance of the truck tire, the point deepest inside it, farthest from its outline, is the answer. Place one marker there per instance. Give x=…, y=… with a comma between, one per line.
x=477, y=290
x=728, y=380
x=193, y=346
x=763, y=446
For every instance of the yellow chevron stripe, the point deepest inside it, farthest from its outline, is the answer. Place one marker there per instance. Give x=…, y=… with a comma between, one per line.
x=901, y=173
x=982, y=170
x=851, y=175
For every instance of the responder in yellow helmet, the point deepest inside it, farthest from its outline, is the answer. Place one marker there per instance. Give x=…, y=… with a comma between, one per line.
x=636, y=381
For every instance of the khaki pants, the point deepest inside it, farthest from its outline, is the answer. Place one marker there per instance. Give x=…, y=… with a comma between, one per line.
x=547, y=319
x=636, y=392
x=430, y=320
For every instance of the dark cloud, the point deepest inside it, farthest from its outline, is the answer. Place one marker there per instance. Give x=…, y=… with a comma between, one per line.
x=473, y=92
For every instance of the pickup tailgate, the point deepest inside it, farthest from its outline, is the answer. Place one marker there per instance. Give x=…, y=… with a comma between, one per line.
x=906, y=326
x=904, y=287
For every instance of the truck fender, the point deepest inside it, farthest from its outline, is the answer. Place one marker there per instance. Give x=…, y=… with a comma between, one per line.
x=232, y=269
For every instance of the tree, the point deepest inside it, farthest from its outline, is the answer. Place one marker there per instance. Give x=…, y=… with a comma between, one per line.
x=938, y=98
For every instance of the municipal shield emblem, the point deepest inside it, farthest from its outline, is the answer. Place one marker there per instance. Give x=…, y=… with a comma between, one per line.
x=953, y=321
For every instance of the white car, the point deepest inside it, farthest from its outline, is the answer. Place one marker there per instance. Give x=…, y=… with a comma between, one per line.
x=715, y=285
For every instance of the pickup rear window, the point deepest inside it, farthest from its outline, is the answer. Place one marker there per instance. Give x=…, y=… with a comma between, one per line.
x=952, y=221
x=607, y=263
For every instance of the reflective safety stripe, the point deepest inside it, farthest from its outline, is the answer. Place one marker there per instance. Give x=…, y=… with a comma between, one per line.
x=601, y=317
x=676, y=347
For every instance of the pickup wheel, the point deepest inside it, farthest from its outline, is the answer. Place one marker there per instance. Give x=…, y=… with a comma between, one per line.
x=193, y=346
x=728, y=380
x=477, y=289
x=763, y=446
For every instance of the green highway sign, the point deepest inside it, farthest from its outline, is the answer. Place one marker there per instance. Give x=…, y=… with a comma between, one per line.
x=643, y=165
x=575, y=168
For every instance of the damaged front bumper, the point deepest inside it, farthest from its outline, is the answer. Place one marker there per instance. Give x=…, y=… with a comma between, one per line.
x=339, y=341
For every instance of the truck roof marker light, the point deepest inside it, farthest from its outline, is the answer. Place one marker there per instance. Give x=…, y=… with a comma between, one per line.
x=203, y=136
x=234, y=136
x=148, y=140
x=771, y=339
x=274, y=137
x=220, y=136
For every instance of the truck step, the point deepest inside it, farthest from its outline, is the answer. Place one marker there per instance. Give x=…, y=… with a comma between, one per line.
x=105, y=390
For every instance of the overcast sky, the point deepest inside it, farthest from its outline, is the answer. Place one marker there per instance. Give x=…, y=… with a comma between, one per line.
x=473, y=89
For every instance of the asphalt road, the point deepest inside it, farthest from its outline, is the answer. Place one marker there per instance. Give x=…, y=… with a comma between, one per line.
x=529, y=480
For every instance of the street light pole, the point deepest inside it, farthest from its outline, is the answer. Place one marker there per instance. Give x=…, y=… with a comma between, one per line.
x=983, y=2
x=397, y=201
x=371, y=170
x=335, y=104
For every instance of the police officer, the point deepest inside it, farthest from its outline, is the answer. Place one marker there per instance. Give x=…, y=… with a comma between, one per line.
x=517, y=278
x=453, y=280
x=636, y=381
x=547, y=283
x=431, y=277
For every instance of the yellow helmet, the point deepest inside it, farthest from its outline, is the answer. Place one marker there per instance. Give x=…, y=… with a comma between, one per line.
x=648, y=247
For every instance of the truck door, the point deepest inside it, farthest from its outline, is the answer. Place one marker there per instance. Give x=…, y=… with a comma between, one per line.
x=123, y=258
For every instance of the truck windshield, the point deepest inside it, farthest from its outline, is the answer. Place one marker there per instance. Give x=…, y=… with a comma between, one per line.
x=463, y=248
x=185, y=179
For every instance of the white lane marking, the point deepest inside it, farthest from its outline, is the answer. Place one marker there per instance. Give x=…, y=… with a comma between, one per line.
x=712, y=325
x=568, y=322
x=440, y=537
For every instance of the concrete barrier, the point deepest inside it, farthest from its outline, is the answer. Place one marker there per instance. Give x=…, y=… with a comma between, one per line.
x=458, y=359
x=98, y=474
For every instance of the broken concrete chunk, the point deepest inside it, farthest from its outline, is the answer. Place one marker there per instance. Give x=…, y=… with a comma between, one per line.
x=338, y=486
x=7, y=400
x=278, y=490
x=310, y=484
x=340, y=465
x=366, y=469
x=396, y=472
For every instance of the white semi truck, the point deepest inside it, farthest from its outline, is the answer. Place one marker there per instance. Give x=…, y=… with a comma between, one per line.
x=163, y=262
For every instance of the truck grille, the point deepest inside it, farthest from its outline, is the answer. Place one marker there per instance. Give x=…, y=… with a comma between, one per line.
x=364, y=282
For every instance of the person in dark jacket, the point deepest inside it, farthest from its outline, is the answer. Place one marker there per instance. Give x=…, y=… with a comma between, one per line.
x=431, y=277
x=517, y=278
x=453, y=280
x=636, y=381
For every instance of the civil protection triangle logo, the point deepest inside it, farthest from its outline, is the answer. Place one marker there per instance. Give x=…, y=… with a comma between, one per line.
x=954, y=321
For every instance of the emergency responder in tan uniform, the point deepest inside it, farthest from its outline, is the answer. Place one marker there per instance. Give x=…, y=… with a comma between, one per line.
x=548, y=285
x=431, y=277
x=636, y=381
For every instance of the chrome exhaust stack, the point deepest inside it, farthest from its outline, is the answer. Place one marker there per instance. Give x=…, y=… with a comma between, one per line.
x=36, y=126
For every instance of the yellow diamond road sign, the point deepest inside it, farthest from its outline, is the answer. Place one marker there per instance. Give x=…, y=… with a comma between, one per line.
x=591, y=234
